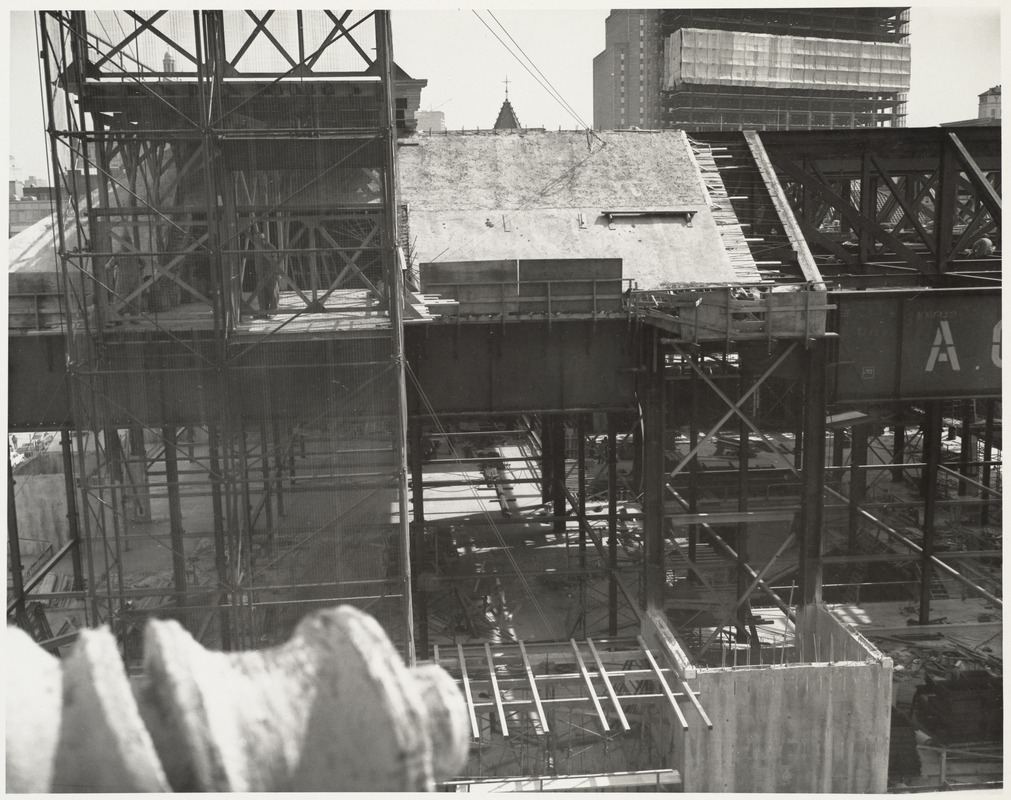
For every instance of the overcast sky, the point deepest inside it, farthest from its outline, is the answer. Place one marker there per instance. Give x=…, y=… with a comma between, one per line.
x=955, y=57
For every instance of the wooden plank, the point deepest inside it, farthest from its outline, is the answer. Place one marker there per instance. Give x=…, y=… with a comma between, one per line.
x=601, y=781
x=663, y=684
x=495, y=690
x=589, y=684
x=475, y=730
x=607, y=685
x=533, y=689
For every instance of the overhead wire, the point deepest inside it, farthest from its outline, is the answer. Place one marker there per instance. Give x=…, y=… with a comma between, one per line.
x=551, y=91
x=561, y=99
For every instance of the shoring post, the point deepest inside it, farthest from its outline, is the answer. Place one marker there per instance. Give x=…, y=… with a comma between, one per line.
x=945, y=203
x=744, y=609
x=418, y=538
x=265, y=468
x=965, y=453
x=220, y=553
x=138, y=455
x=559, y=505
x=581, y=499
x=898, y=451
x=932, y=446
x=384, y=59
x=175, y=514
x=73, y=529
x=547, y=461
x=612, y=524
x=858, y=483
x=988, y=425
x=14, y=551
x=813, y=475
x=693, y=469
x=654, y=482
x=278, y=467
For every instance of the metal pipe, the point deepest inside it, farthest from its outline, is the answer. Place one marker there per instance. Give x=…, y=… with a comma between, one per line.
x=175, y=514
x=384, y=59
x=932, y=446
x=14, y=551
x=418, y=537
x=73, y=531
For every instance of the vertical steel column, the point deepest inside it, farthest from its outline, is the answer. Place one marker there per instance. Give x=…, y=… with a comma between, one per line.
x=932, y=458
x=693, y=470
x=946, y=203
x=267, y=500
x=743, y=578
x=898, y=451
x=73, y=530
x=547, y=461
x=637, y=456
x=581, y=498
x=798, y=441
x=278, y=467
x=984, y=514
x=838, y=451
x=968, y=417
x=612, y=524
x=175, y=514
x=858, y=483
x=138, y=455
x=654, y=485
x=14, y=550
x=220, y=553
x=813, y=476
x=384, y=59
x=418, y=538
x=868, y=207
x=559, y=506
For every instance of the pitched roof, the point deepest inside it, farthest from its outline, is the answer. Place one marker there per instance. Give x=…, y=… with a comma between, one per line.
x=543, y=195
x=506, y=117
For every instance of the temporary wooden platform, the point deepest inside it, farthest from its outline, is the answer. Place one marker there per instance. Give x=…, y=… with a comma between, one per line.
x=520, y=680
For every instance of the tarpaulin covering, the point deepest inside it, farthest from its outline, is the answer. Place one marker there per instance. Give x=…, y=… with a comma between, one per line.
x=732, y=58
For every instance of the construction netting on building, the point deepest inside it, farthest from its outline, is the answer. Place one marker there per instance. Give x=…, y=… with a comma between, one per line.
x=227, y=252
x=696, y=56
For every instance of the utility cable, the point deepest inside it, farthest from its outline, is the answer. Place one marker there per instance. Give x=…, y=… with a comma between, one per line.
x=565, y=103
x=551, y=92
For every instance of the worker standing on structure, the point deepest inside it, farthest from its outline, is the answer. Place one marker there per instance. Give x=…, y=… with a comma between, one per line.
x=983, y=248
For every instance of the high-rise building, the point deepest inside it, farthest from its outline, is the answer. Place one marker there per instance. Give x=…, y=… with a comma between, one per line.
x=755, y=68
x=627, y=74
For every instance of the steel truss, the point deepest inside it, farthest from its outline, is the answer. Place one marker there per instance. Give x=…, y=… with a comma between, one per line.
x=232, y=296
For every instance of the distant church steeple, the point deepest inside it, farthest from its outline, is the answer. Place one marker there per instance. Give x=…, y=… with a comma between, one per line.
x=506, y=116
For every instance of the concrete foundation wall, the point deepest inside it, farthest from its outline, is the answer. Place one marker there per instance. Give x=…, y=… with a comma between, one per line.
x=41, y=503
x=808, y=727
x=794, y=728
